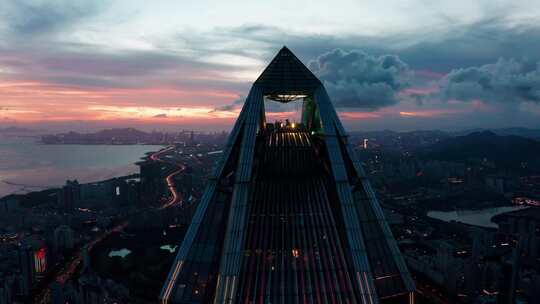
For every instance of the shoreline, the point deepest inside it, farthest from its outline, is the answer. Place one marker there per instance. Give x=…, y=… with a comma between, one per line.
x=31, y=166
x=103, y=144
x=56, y=188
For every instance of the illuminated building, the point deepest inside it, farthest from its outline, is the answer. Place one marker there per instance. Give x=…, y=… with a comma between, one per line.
x=32, y=263
x=288, y=215
x=40, y=260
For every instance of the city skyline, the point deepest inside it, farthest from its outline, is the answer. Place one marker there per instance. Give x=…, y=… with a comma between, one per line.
x=395, y=65
x=346, y=151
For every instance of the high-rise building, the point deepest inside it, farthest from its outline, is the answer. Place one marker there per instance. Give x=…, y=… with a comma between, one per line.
x=27, y=268
x=32, y=260
x=90, y=289
x=7, y=284
x=63, y=238
x=69, y=195
x=152, y=185
x=288, y=215
x=125, y=192
x=64, y=293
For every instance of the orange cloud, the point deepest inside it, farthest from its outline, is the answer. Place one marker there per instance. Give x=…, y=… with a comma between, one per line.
x=28, y=101
x=359, y=115
x=429, y=113
x=146, y=112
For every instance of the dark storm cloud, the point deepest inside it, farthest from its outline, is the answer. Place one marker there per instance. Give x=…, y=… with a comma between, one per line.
x=506, y=81
x=162, y=115
x=27, y=17
x=262, y=42
x=355, y=79
x=365, y=83
x=440, y=50
x=474, y=44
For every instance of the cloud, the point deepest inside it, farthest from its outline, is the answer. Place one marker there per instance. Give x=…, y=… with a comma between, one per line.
x=236, y=104
x=355, y=79
x=162, y=115
x=465, y=45
x=433, y=50
x=62, y=45
x=508, y=81
x=32, y=17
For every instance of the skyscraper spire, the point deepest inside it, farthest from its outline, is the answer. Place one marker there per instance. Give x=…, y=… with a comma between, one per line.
x=301, y=223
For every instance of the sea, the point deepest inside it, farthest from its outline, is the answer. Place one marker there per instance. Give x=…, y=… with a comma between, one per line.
x=28, y=165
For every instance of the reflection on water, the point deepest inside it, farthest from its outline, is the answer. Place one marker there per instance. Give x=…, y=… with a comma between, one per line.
x=481, y=217
x=119, y=253
x=23, y=161
x=169, y=248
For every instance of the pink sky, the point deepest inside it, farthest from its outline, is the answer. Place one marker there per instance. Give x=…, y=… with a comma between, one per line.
x=176, y=64
x=37, y=103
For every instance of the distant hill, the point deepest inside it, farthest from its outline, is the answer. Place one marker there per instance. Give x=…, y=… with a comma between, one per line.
x=517, y=131
x=119, y=135
x=523, y=132
x=130, y=136
x=504, y=150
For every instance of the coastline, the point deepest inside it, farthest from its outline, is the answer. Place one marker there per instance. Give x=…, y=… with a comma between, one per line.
x=50, y=191
x=27, y=165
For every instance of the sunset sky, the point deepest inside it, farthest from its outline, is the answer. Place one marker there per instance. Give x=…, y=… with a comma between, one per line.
x=401, y=65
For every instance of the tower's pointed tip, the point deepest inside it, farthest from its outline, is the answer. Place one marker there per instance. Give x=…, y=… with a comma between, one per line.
x=286, y=73
x=285, y=49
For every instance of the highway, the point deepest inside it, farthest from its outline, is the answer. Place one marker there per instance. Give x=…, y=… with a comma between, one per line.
x=176, y=198
x=72, y=266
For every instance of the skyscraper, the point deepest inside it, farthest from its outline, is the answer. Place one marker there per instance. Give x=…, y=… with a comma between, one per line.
x=32, y=254
x=69, y=195
x=288, y=215
x=63, y=238
x=26, y=264
x=90, y=290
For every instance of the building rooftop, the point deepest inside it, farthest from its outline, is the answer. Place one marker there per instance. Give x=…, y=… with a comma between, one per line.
x=287, y=76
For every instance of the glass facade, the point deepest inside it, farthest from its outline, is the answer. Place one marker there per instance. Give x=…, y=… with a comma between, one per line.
x=289, y=215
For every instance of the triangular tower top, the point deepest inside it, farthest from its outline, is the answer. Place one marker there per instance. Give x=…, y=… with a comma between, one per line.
x=286, y=74
x=262, y=195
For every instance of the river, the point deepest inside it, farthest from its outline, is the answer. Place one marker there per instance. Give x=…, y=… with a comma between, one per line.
x=480, y=217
